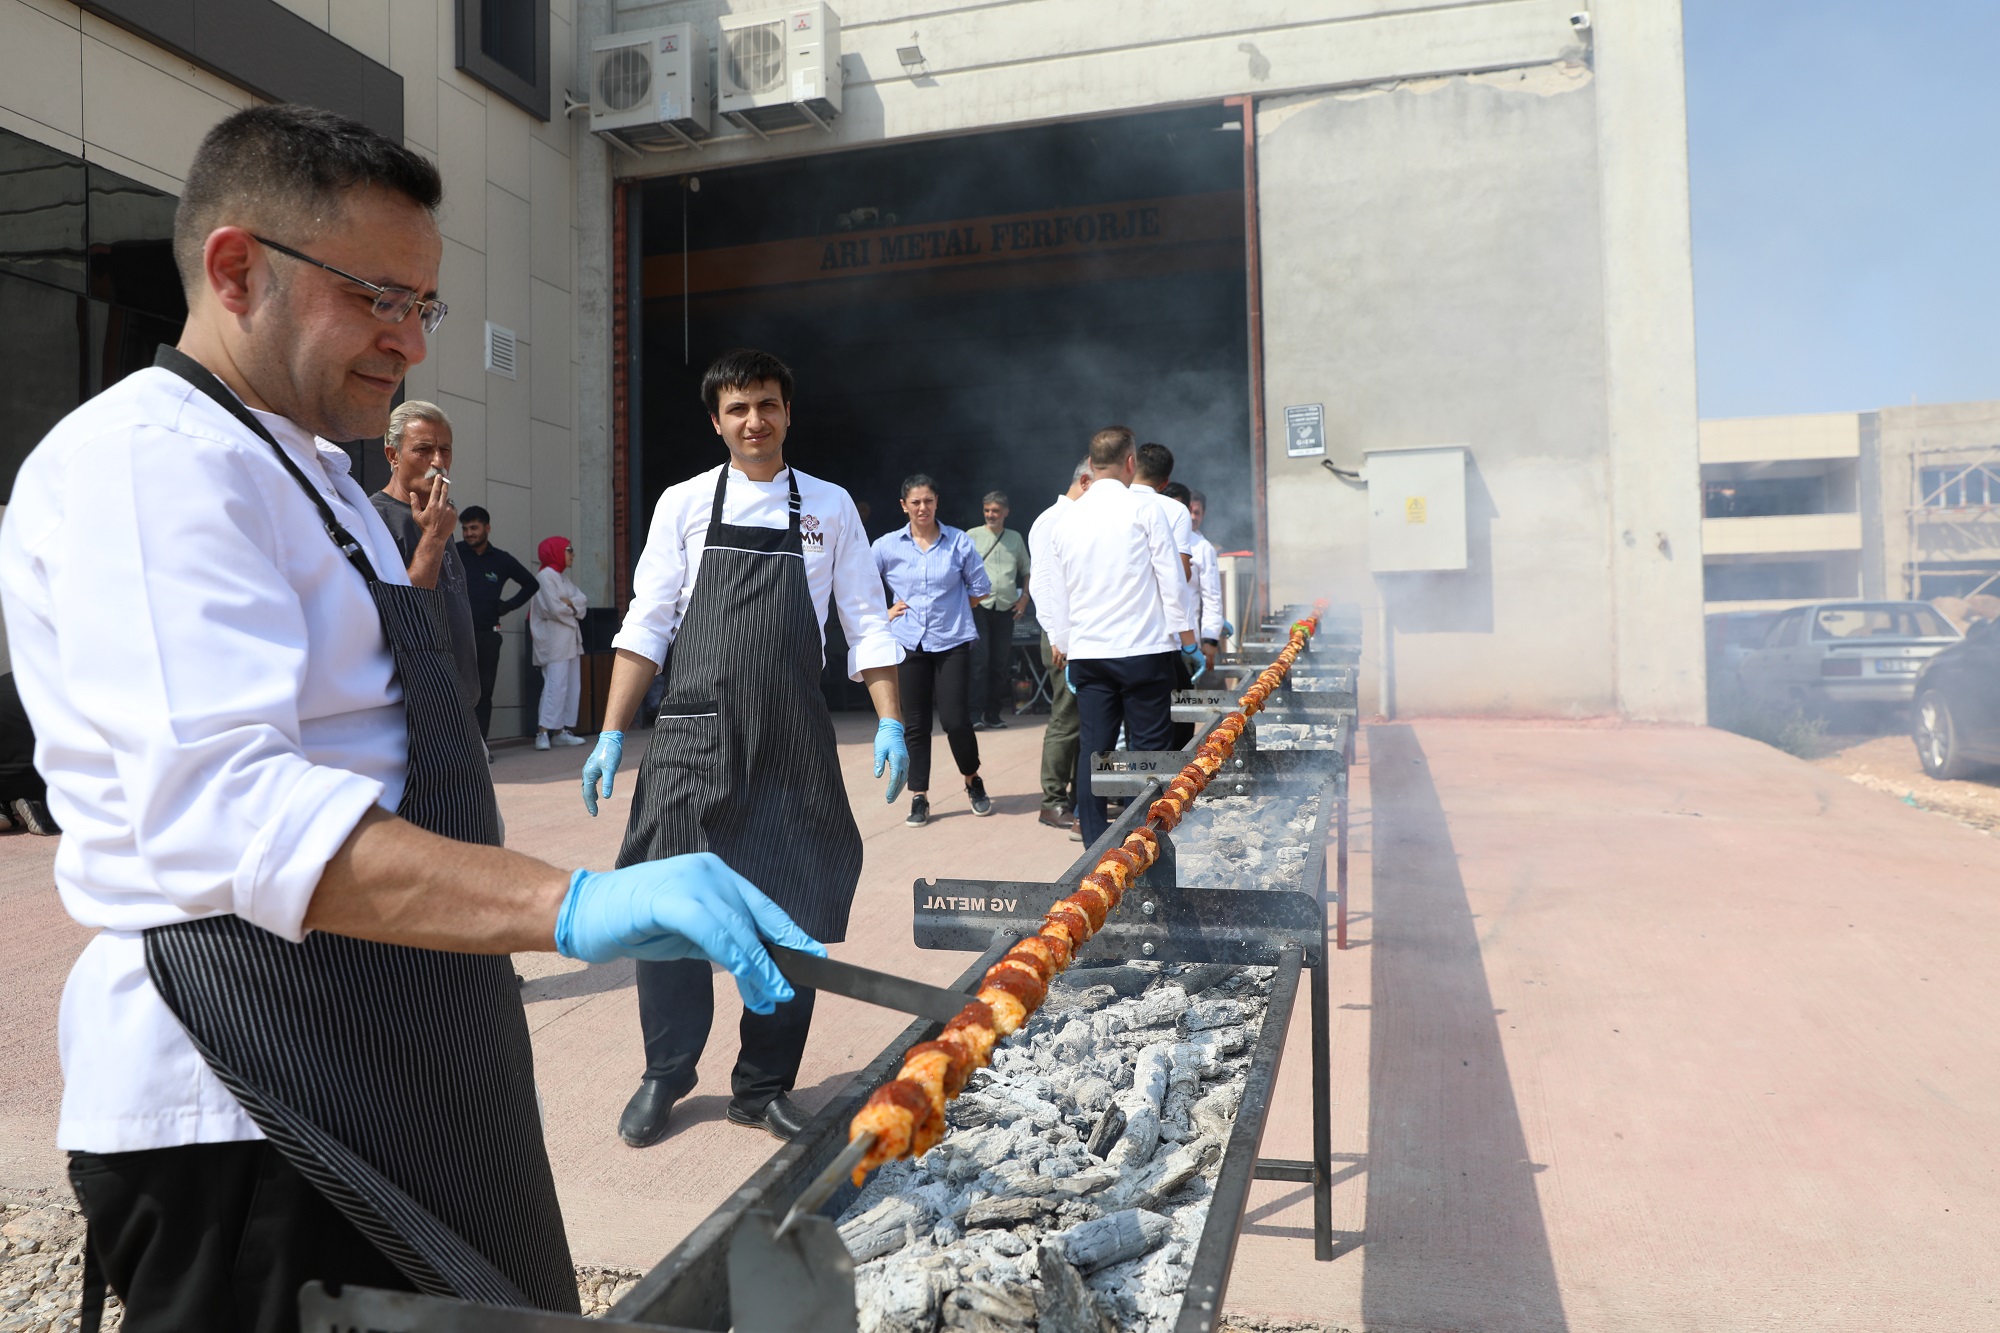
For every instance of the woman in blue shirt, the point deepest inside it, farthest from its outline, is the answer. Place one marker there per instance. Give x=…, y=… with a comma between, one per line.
x=935, y=578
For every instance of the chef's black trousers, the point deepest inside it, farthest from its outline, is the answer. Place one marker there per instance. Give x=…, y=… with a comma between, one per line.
x=676, y=1007
x=992, y=663
x=488, y=642
x=1135, y=691
x=935, y=684
x=217, y=1237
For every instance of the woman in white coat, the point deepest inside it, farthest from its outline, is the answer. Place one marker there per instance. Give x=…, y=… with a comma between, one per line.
x=555, y=624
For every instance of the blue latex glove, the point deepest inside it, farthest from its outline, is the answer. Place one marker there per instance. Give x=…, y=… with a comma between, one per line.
x=1066, y=679
x=601, y=768
x=689, y=906
x=1228, y=630
x=1196, y=662
x=890, y=751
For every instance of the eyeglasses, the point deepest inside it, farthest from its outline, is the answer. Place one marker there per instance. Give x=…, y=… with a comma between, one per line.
x=392, y=304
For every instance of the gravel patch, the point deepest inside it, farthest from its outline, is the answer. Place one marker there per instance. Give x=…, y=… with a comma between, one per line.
x=41, y=1272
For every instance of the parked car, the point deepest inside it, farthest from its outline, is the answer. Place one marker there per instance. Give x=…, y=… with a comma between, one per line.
x=1731, y=636
x=1832, y=653
x=1956, y=721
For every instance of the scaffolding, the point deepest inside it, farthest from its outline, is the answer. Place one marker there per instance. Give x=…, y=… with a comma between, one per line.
x=1955, y=521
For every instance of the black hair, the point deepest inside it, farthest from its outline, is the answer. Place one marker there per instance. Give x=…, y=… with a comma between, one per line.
x=741, y=368
x=1173, y=490
x=475, y=514
x=270, y=164
x=913, y=481
x=1156, y=462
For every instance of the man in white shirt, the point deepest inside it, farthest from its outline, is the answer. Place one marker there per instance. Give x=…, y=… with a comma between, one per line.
x=233, y=684
x=1210, y=625
x=1059, y=737
x=728, y=602
x=1115, y=614
x=1153, y=471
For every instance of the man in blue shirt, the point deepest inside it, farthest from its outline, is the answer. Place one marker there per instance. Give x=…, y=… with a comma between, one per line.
x=488, y=570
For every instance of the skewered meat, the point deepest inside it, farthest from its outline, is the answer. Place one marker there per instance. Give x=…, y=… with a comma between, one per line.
x=906, y=1115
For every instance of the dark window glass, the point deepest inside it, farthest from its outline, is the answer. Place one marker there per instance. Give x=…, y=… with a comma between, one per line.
x=1769, y=580
x=88, y=289
x=505, y=45
x=507, y=34
x=1764, y=497
x=42, y=213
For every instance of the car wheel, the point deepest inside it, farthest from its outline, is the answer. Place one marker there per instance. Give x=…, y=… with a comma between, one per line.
x=1936, y=736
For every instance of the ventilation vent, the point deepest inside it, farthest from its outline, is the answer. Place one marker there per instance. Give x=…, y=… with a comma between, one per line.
x=757, y=57
x=624, y=78
x=500, y=350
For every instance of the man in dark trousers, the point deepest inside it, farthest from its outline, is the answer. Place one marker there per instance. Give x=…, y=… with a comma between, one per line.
x=729, y=602
x=416, y=504
x=292, y=1049
x=1115, y=614
x=488, y=571
x=1007, y=569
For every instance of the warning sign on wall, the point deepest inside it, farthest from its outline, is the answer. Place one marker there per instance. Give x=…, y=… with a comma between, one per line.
x=1305, y=431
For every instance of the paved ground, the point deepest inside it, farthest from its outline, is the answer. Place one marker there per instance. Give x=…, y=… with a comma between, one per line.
x=1643, y=1029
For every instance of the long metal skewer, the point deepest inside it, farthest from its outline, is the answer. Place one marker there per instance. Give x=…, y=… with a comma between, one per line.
x=827, y=1181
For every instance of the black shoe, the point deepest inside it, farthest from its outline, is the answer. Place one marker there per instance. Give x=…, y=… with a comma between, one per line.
x=34, y=817
x=920, y=811
x=995, y=724
x=975, y=791
x=781, y=1117
x=645, y=1120
x=981, y=725
x=1060, y=819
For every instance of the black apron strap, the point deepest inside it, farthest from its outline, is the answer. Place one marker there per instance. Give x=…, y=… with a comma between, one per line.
x=191, y=370
x=716, y=525
x=91, y=1315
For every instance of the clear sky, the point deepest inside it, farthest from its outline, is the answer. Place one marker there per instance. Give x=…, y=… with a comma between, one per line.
x=1846, y=201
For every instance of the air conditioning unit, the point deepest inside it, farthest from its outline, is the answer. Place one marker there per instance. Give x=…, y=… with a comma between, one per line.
x=650, y=87
x=780, y=69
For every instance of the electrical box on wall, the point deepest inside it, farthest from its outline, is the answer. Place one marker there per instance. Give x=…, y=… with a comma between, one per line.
x=1416, y=509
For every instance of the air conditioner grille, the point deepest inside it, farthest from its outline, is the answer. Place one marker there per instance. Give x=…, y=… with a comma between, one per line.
x=624, y=78
x=757, y=56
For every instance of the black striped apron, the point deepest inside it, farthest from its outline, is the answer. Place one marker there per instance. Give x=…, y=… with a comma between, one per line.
x=743, y=761
x=399, y=1081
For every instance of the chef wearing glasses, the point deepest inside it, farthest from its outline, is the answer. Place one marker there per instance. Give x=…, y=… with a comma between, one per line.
x=294, y=1049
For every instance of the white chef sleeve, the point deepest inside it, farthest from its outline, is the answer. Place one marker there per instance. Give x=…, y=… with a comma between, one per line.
x=1165, y=558
x=1052, y=594
x=857, y=595
x=654, y=616
x=183, y=646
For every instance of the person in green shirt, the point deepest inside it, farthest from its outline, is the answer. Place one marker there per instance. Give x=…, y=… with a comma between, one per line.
x=1006, y=557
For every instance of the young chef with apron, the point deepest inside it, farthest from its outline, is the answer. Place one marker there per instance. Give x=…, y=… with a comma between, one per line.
x=729, y=601
x=294, y=1050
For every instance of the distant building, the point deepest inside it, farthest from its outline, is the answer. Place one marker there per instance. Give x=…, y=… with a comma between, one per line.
x=1901, y=502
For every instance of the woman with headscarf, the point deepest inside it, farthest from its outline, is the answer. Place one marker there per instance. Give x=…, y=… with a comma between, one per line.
x=555, y=625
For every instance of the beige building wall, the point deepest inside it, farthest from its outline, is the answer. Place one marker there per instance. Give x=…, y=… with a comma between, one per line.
x=82, y=85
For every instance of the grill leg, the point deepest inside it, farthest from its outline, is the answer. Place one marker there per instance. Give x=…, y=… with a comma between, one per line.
x=1322, y=1075
x=1340, y=878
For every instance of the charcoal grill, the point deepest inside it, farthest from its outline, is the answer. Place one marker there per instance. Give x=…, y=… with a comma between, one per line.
x=1162, y=921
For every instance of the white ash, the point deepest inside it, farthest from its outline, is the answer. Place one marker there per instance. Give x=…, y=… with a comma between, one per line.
x=970, y=1235
x=1257, y=841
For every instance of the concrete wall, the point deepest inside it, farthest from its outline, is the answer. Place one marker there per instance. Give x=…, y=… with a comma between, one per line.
x=1453, y=295
x=74, y=82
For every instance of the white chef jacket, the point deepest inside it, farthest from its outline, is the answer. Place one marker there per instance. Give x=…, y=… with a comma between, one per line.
x=839, y=565
x=215, y=707
x=1180, y=522
x=1116, y=582
x=1040, y=532
x=1208, y=589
